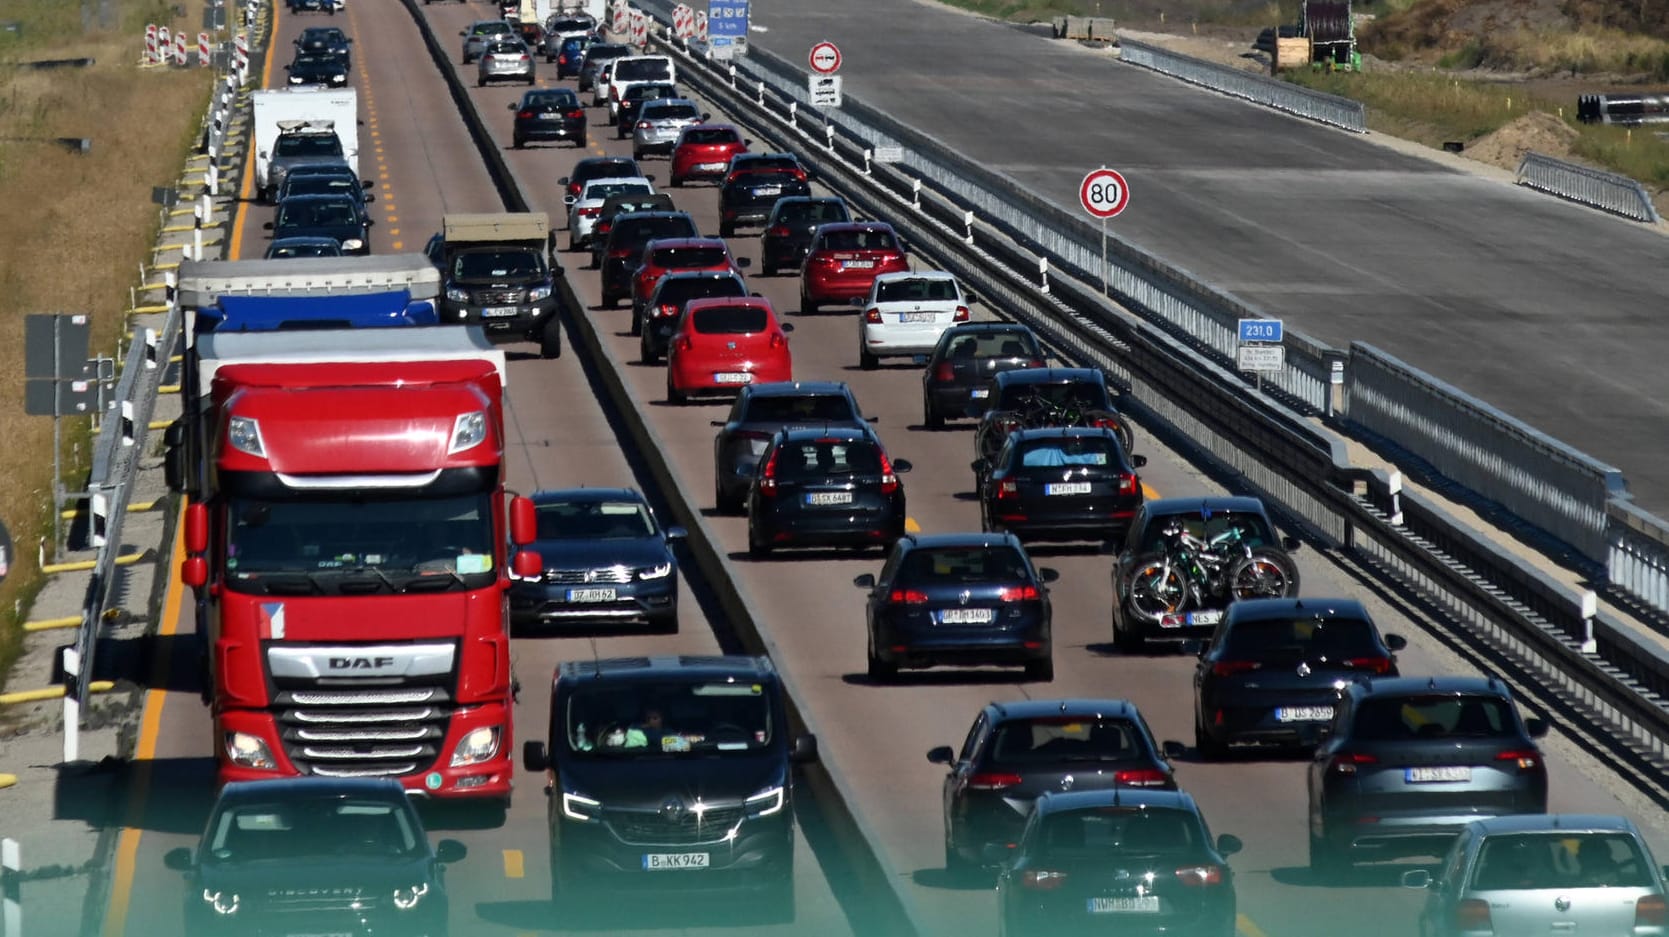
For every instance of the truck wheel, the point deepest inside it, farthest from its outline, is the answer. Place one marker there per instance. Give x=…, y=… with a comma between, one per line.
x=550, y=340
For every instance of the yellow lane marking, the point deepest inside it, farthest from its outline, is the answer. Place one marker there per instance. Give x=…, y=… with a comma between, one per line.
x=393, y=218
x=1244, y=925
x=398, y=245
x=1149, y=492
x=393, y=231
x=910, y=526
x=513, y=863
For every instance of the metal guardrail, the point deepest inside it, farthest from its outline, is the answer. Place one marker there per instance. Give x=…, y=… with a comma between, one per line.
x=1259, y=89
x=1565, y=655
x=1606, y=191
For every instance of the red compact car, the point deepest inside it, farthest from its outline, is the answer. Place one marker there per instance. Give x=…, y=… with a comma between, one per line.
x=844, y=260
x=704, y=151
x=664, y=255
x=722, y=343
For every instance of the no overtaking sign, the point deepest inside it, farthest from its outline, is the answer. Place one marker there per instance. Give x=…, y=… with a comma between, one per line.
x=825, y=58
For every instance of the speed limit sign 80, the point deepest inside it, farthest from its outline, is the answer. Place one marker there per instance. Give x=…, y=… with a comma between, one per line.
x=1104, y=193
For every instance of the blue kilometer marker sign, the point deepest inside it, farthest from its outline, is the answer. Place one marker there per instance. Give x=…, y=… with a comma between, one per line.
x=1260, y=330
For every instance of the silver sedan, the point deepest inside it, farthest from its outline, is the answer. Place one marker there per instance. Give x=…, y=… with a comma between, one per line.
x=505, y=60
x=660, y=122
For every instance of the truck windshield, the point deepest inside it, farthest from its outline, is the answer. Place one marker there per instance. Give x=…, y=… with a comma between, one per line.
x=349, y=544
x=498, y=265
x=669, y=717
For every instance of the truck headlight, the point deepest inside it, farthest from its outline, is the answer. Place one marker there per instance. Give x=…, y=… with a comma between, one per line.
x=352, y=244
x=222, y=902
x=457, y=295
x=244, y=433
x=766, y=802
x=338, y=79
x=468, y=430
x=295, y=79
x=581, y=808
x=538, y=293
x=655, y=572
x=407, y=898
x=249, y=751
x=478, y=746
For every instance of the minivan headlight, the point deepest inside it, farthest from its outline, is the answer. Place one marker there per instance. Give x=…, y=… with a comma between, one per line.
x=660, y=571
x=407, y=898
x=579, y=807
x=766, y=802
x=222, y=902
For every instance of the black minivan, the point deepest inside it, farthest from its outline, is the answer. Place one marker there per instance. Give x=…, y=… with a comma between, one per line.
x=670, y=773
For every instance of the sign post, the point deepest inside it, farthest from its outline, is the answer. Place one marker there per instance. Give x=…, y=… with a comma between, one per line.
x=1104, y=194
x=824, y=58
x=727, y=28
x=1260, y=349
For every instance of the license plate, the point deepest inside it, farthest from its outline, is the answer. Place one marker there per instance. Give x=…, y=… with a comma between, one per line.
x=1303, y=713
x=1191, y=618
x=591, y=595
x=829, y=497
x=732, y=377
x=1146, y=904
x=966, y=616
x=709, y=167
x=1427, y=775
x=663, y=861
x=857, y=264
x=980, y=393
x=498, y=312
x=1067, y=488
x=550, y=116
x=917, y=316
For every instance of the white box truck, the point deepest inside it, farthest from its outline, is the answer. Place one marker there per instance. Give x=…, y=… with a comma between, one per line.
x=310, y=115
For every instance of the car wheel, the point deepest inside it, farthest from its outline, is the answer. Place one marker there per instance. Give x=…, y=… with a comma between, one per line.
x=1128, y=640
x=767, y=270
x=637, y=323
x=581, y=142
x=531, y=81
x=881, y=671
x=929, y=416
x=1040, y=671
x=480, y=82
x=807, y=306
x=726, y=503
x=674, y=396
x=550, y=338
x=665, y=624
x=1327, y=864
x=637, y=155
x=957, y=868
x=677, y=182
x=573, y=245
x=517, y=143
x=757, y=547
x=1208, y=748
x=867, y=361
x=726, y=230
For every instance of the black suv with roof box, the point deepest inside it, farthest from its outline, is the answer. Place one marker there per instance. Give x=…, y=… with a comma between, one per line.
x=671, y=773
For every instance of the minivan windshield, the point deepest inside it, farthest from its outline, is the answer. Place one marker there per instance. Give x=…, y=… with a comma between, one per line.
x=679, y=717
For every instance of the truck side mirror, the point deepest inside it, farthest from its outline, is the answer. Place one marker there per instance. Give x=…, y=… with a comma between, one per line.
x=194, y=571
x=196, y=528
x=174, y=457
x=523, y=525
x=534, y=757
x=527, y=564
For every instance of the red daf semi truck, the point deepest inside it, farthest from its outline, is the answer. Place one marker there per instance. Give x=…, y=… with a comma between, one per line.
x=350, y=542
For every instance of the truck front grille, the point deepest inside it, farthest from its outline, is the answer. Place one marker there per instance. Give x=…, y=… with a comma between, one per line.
x=363, y=732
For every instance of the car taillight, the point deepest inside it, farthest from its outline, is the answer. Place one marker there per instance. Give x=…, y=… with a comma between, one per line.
x=907, y=597
x=778, y=341
x=800, y=174
x=1525, y=759
x=767, y=473
x=1228, y=668
x=944, y=372
x=1140, y=777
x=590, y=211
x=889, y=481
x=562, y=60
x=1200, y=876
x=961, y=313
x=643, y=125
x=1035, y=363
x=603, y=227
x=524, y=115
x=872, y=315
x=1650, y=912
x=826, y=260
x=1375, y=665
x=613, y=93
x=523, y=58
x=1472, y=914
x=1042, y=879
x=683, y=343
x=993, y=781
x=666, y=310
x=1105, y=422
x=1349, y=762
x=1017, y=594
x=1007, y=490
x=576, y=115
x=780, y=231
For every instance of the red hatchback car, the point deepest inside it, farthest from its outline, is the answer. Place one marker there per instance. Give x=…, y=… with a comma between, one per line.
x=844, y=260
x=704, y=150
x=722, y=343
x=664, y=255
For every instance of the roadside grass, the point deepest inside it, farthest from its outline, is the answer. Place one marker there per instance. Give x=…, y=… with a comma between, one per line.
x=77, y=228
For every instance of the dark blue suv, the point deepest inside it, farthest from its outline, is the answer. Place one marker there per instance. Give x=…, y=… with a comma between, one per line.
x=825, y=487
x=760, y=412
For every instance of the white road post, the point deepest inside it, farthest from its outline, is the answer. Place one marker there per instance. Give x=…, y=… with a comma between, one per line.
x=72, y=704
x=1590, y=608
x=1394, y=485
x=11, y=880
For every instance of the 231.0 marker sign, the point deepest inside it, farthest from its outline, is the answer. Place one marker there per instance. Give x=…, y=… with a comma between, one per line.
x=1104, y=193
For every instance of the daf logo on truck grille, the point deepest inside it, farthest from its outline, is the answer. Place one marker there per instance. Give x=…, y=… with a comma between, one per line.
x=361, y=663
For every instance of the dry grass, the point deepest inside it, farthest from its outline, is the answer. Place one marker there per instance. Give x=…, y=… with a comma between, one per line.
x=1426, y=107
x=77, y=226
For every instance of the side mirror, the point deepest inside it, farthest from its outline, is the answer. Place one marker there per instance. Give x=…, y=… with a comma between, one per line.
x=865, y=581
x=463, y=32
x=1536, y=727
x=1416, y=878
x=1048, y=573
x=513, y=105
x=747, y=142
x=943, y=755
x=804, y=750
x=1228, y=844
x=742, y=263
x=369, y=198
x=174, y=456
x=673, y=534
x=973, y=299
x=450, y=850
x=366, y=185
x=370, y=221
x=1173, y=748
x=196, y=527
x=900, y=466
x=1396, y=642
x=267, y=226
x=562, y=181
x=650, y=176
x=1291, y=543
x=194, y=571
x=178, y=859
x=534, y=756
x=706, y=116
x=787, y=326
x=979, y=466
x=524, y=526
x=858, y=301
x=527, y=564
x=1139, y=461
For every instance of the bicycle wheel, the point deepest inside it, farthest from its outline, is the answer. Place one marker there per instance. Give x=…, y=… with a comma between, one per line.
x=1267, y=573
x=1154, y=589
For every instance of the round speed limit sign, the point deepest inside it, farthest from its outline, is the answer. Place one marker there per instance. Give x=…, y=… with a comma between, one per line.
x=1104, y=193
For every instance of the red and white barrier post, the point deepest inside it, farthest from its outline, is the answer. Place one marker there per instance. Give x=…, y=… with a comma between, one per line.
x=203, y=49
x=150, y=44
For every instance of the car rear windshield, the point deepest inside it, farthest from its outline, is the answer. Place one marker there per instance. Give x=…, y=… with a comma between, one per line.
x=812, y=407
x=671, y=112
x=642, y=70
x=917, y=289
x=593, y=520
x=1056, y=738
x=1401, y=718
x=668, y=717
x=1560, y=859
x=822, y=211
x=317, y=212
x=1081, y=394
x=860, y=241
x=731, y=320
x=609, y=169
x=1052, y=453
x=562, y=98
x=605, y=190
x=506, y=48
x=294, y=829
x=307, y=144
x=674, y=258
x=569, y=25
x=321, y=185
x=958, y=565
x=825, y=457
x=681, y=291
x=650, y=92
x=644, y=230
x=1097, y=833
x=770, y=163
x=1217, y=527
x=749, y=178
x=711, y=135
x=597, y=54
x=498, y=265
x=490, y=29
x=993, y=345
x=1336, y=639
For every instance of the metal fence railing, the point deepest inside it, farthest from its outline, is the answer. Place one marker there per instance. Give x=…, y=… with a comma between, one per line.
x=1259, y=89
x=1606, y=191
